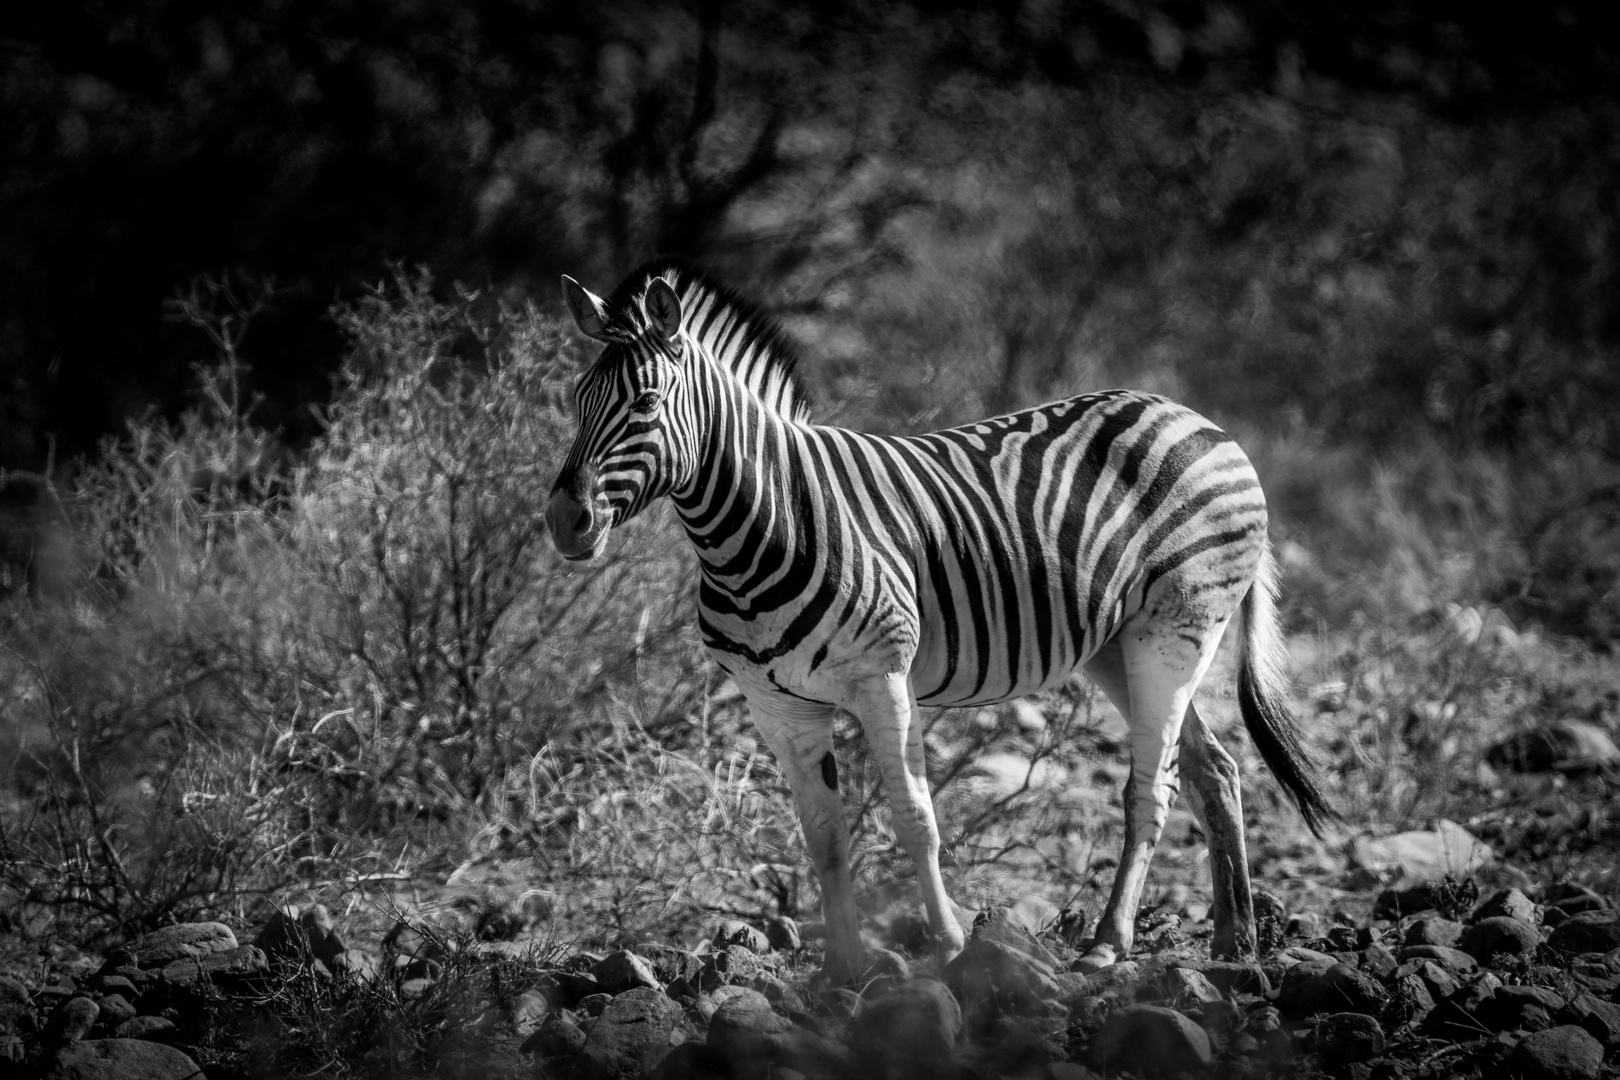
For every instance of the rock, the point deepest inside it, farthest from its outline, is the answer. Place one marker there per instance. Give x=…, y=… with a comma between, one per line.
x=1560, y=1053
x=1432, y=930
x=1235, y=976
x=1150, y=1039
x=1186, y=988
x=1034, y=914
x=1519, y=1008
x=593, y=1004
x=558, y=1036
x=752, y=1040
x=1572, y=898
x=15, y=1007
x=299, y=938
x=189, y=941
x=1378, y=961
x=695, y=1061
x=1306, y=924
x=1338, y=988
x=913, y=1028
x=783, y=934
x=1569, y=746
x=226, y=968
x=1011, y=927
x=1600, y=1018
x=356, y=964
x=1396, y=903
x=1454, y=959
x=1510, y=902
x=630, y=1037
x=71, y=1021
x=736, y=932
x=115, y=1009
x=624, y=970
x=12, y=1049
x=1457, y=1017
x=733, y=964
x=1348, y=1037
x=527, y=1011
x=1411, y=999
x=122, y=1059
x=1500, y=935
x=155, y=1028
x=1587, y=931
x=1440, y=982
x=1424, y=854
x=991, y=975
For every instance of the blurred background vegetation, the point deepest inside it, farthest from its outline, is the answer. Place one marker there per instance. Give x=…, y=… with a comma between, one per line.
x=1376, y=241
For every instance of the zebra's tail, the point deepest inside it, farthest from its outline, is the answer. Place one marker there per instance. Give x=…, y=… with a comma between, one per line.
x=1263, y=700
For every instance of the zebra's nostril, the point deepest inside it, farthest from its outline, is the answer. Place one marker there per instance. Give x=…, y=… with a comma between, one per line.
x=583, y=521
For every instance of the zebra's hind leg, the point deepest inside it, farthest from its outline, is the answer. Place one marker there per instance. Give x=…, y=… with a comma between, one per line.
x=889, y=716
x=800, y=734
x=1216, y=798
x=1150, y=671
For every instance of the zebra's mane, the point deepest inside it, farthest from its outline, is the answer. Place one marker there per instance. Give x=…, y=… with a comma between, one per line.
x=751, y=345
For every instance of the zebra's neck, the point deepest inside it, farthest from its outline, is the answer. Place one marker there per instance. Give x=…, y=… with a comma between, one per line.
x=745, y=506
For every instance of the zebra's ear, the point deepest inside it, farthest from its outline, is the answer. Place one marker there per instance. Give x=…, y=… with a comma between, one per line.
x=588, y=309
x=662, y=308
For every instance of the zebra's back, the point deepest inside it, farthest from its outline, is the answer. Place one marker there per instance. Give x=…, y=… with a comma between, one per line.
x=1044, y=531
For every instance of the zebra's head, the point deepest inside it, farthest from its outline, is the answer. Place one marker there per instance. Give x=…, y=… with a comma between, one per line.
x=628, y=450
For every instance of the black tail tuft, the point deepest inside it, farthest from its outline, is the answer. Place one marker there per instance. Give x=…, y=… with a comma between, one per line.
x=1276, y=736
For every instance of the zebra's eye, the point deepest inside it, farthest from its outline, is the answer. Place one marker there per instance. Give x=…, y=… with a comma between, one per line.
x=647, y=402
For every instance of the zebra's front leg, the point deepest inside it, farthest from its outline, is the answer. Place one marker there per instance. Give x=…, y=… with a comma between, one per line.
x=800, y=734
x=888, y=714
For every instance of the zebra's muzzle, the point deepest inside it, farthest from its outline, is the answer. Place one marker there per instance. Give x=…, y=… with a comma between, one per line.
x=578, y=531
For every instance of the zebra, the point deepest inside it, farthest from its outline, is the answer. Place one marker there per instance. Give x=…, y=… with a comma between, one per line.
x=1116, y=532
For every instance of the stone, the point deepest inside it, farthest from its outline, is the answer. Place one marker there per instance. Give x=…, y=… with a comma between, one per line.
x=1587, y=931
x=1559, y=1053
x=1510, y=902
x=736, y=932
x=1306, y=924
x=527, y=1011
x=1440, y=981
x=71, y=1021
x=299, y=938
x=1344, y=1037
x=1397, y=903
x=1185, y=988
x=1454, y=959
x=1236, y=976
x=1500, y=935
x=1411, y=999
x=1150, y=1039
x=752, y=1040
x=122, y=1059
x=188, y=941
x=593, y=1004
x=1600, y=1018
x=119, y=984
x=624, y=970
x=1308, y=989
x=914, y=1027
x=15, y=1008
x=1519, y=1008
x=1432, y=930
x=734, y=963
x=557, y=1036
x=1378, y=961
x=115, y=1009
x=783, y=934
x=1572, y=898
x=1011, y=927
x=696, y=1061
x=1561, y=746
x=12, y=1049
x=989, y=974
x=1423, y=854
x=631, y=1036
x=227, y=968
x=156, y=1028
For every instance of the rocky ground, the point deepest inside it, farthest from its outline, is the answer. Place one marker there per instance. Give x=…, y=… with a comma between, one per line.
x=1438, y=982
